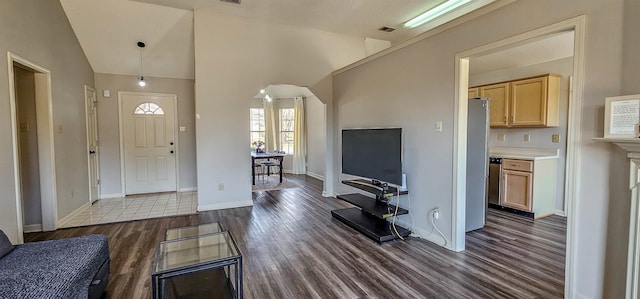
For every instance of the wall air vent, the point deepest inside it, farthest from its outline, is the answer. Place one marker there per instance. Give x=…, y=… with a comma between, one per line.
x=231, y=1
x=387, y=29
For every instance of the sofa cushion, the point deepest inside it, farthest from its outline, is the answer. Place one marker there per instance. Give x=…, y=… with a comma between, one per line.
x=5, y=244
x=53, y=269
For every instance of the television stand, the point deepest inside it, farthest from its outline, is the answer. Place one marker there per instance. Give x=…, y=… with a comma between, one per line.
x=371, y=214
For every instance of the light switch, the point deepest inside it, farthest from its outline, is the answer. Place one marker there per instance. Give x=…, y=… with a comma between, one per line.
x=555, y=138
x=527, y=137
x=501, y=137
x=106, y=93
x=183, y=129
x=59, y=128
x=439, y=126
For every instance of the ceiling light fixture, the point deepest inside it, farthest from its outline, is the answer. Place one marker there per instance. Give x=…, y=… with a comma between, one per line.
x=141, y=80
x=262, y=91
x=435, y=12
x=268, y=98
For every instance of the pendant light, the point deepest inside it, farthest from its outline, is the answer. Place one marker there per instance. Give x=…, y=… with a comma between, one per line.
x=141, y=80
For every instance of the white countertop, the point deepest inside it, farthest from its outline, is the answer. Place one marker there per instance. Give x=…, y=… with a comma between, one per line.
x=523, y=153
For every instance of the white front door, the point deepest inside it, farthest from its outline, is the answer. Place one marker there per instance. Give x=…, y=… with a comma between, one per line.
x=92, y=143
x=149, y=142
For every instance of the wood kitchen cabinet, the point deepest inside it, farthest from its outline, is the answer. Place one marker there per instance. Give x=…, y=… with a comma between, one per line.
x=529, y=185
x=530, y=102
x=498, y=95
x=534, y=102
x=474, y=92
x=517, y=188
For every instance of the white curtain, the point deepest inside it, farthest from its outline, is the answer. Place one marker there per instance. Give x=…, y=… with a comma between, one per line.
x=299, y=137
x=270, y=126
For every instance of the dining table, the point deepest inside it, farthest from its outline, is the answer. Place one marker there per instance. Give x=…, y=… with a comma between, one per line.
x=265, y=156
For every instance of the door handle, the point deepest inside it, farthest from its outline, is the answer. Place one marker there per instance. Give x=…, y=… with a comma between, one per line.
x=171, y=152
x=92, y=152
x=171, y=143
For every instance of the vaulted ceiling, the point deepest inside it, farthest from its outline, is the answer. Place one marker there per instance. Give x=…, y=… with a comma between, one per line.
x=108, y=30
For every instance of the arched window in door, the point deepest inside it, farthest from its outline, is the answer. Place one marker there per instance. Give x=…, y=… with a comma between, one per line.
x=149, y=108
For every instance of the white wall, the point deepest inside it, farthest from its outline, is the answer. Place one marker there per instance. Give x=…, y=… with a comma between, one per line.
x=252, y=55
x=109, y=132
x=414, y=87
x=40, y=32
x=540, y=137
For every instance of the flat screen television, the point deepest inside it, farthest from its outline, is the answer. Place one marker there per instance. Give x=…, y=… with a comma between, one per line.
x=373, y=153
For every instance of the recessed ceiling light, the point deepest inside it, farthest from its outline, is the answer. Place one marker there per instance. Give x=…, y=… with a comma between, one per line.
x=231, y=1
x=387, y=29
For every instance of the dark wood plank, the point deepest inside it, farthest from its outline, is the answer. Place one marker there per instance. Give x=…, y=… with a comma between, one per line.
x=292, y=248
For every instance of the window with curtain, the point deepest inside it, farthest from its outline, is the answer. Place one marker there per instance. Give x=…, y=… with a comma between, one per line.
x=257, y=125
x=286, y=130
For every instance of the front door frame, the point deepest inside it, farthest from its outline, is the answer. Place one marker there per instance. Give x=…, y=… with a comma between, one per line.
x=46, y=153
x=121, y=94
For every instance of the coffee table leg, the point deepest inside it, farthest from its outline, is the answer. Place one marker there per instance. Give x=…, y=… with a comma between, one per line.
x=154, y=287
x=240, y=284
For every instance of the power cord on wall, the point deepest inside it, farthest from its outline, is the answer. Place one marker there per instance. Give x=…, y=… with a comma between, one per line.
x=395, y=216
x=435, y=214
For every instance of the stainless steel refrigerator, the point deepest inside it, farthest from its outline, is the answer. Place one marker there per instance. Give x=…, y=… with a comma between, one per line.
x=477, y=163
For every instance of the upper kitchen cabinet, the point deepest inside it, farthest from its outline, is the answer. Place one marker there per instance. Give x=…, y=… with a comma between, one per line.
x=474, y=92
x=498, y=95
x=534, y=102
x=531, y=102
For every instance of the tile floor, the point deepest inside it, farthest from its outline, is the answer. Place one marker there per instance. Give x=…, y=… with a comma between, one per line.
x=135, y=207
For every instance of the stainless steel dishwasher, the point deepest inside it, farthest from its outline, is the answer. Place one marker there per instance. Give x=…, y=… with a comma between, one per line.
x=495, y=172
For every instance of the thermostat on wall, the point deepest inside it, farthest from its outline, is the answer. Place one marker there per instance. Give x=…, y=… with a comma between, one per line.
x=106, y=93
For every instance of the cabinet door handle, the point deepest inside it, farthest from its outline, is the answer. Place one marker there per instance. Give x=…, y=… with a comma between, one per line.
x=505, y=119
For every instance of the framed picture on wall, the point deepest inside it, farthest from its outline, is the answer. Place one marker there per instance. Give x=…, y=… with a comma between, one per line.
x=622, y=117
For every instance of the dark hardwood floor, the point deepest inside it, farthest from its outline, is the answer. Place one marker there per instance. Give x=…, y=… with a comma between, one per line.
x=293, y=248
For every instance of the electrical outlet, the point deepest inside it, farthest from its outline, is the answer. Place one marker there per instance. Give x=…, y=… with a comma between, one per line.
x=436, y=213
x=439, y=126
x=527, y=137
x=501, y=137
x=555, y=138
x=220, y=187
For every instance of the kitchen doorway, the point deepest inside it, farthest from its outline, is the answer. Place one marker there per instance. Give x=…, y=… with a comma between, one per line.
x=576, y=25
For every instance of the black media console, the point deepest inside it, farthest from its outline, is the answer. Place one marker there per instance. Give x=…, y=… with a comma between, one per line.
x=370, y=218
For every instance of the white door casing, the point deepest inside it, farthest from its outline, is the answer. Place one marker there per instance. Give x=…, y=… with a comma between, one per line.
x=92, y=143
x=148, y=142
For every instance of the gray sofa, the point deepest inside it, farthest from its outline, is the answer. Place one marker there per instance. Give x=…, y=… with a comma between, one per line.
x=67, y=268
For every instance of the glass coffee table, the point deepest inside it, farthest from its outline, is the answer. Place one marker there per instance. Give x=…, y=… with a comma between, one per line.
x=192, y=231
x=199, y=266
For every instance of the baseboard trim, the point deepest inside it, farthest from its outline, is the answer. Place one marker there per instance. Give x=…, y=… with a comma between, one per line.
x=225, y=205
x=75, y=213
x=113, y=195
x=561, y=213
x=315, y=175
x=188, y=189
x=432, y=237
x=325, y=194
x=32, y=228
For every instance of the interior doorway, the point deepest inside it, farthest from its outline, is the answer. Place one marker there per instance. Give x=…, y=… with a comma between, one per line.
x=33, y=150
x=577, y=25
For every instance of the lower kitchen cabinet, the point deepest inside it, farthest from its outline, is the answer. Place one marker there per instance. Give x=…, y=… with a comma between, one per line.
x=529, y=185
x=517, y=187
